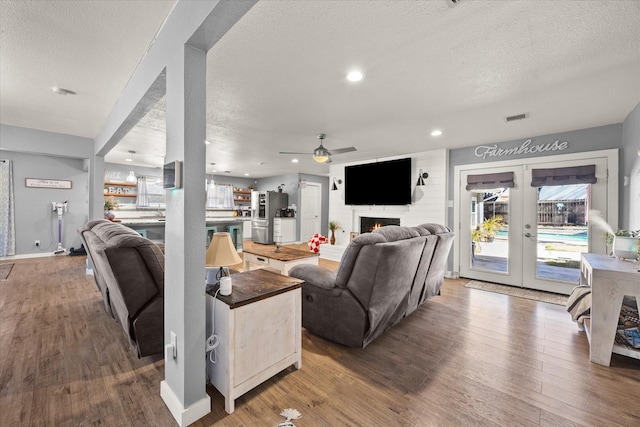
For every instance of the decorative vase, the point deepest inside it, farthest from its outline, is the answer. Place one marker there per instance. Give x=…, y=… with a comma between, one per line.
x=333, y=238
x=109, y=215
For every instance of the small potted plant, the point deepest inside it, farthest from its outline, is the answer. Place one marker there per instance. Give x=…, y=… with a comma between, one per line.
x=110, y=204
x=280, y=187
x=491, y=226
x=333, y=226
x=476, y=237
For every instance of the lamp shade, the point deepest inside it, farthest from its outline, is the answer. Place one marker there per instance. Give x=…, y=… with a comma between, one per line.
x=221, y=252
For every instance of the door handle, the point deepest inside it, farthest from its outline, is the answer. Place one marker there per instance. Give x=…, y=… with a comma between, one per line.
x=528, y=235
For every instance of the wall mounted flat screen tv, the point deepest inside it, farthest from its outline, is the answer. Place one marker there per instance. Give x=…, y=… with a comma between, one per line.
x=381, y=183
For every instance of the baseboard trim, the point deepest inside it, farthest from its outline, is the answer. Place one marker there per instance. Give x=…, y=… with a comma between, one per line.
x=25, y=256
x=184, y=416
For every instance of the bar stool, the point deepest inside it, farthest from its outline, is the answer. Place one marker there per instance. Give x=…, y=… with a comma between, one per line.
x=211, y=230
x=235, y=231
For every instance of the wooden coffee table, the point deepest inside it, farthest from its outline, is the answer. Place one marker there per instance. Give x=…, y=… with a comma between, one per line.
x=282, y=261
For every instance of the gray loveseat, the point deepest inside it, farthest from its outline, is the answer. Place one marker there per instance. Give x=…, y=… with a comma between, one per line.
x=383, y=276
x=129, y=272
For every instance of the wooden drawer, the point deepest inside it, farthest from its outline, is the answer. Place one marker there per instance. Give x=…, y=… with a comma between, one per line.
x=256, y=259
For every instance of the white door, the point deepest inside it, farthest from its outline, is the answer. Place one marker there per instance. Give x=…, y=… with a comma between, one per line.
x=557, y=228
x=310, y=209
x=498, y=257
x=541, y=230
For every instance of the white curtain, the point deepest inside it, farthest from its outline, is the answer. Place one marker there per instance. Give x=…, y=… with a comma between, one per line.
x=220, y=196
x=211, y=191
x=142, y=197
x=7, y=214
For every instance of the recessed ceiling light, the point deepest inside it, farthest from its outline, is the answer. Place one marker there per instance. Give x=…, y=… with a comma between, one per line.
x=246, y=174
x=436, y=132
x=62, y=91
x=355, y=76
x=128, y=160
x=207, y=142
x=294, y=160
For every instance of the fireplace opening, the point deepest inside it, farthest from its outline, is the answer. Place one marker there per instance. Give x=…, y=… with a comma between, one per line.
x=368, y=224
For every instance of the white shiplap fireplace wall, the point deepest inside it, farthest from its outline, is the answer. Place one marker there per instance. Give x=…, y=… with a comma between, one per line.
x=429, y=201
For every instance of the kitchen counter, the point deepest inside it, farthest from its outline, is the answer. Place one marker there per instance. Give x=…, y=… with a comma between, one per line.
x=153, y=228
x=161, y=221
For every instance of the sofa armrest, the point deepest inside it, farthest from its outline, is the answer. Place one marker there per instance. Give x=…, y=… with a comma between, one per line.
x=314, y=275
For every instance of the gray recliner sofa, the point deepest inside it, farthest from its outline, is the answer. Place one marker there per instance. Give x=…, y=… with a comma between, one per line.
x=129, y=272
x=383, y=276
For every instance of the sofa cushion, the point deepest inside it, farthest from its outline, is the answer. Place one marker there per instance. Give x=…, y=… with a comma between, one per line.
x=321, y=278
x=350, y=256
x=396, y=264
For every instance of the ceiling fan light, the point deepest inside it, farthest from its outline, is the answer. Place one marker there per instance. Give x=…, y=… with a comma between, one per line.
x=320, y=155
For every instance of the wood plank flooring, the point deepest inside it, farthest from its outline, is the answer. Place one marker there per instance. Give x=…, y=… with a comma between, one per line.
x=465, y=358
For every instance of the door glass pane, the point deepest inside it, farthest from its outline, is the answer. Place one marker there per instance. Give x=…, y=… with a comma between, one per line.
x=490, y=230
x=562, y=232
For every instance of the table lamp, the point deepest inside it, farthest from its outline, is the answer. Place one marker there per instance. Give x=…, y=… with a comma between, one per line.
x=220, y=255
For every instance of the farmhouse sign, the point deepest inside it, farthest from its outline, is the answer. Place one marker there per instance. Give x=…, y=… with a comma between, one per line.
x=485, y=151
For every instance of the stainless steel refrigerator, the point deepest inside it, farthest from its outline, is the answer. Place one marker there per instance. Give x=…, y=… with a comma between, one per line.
x=264, y=205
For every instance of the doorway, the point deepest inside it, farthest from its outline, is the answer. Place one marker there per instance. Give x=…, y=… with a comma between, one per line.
x=310, y=209
x=527, y=223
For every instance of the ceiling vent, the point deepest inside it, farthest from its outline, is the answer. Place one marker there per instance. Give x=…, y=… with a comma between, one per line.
x=516, y=117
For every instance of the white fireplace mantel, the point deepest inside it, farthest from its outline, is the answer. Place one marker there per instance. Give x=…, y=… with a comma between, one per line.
x=399, y=212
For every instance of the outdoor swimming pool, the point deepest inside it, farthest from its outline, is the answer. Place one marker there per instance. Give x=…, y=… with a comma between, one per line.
x=579, y=237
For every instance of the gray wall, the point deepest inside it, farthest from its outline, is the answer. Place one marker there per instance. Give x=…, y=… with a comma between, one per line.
x=35, y=219
x=592, y=139
x=40, y=154
x=25, y=140
x=629, y=156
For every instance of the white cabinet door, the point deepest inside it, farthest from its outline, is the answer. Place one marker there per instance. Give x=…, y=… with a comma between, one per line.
x=284, y=230
x=288, y=230
x=246, y=229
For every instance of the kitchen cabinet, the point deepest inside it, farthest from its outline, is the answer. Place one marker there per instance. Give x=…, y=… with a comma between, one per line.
x=284, y=230
x=246, y=229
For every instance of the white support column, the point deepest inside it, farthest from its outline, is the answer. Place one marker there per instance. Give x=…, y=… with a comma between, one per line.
x=184, y=388
x=96, y=186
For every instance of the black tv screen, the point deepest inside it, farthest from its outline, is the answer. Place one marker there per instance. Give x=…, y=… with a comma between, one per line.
x=381, y=183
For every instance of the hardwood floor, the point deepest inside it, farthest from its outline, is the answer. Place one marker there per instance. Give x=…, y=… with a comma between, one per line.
x=466, y=358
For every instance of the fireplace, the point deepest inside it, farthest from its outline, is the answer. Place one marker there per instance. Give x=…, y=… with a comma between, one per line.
x=368, y=224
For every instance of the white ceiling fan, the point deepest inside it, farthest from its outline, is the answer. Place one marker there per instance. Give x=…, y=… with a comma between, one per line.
x=321, y=154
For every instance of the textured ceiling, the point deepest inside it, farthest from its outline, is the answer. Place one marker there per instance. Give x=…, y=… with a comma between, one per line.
x=89, y=47
x=278, y=77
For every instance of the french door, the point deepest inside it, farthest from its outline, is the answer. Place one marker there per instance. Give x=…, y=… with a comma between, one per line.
x=527, y=224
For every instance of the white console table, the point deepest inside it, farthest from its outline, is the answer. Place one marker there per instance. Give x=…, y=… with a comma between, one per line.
x=610, y=280
x=259, y=327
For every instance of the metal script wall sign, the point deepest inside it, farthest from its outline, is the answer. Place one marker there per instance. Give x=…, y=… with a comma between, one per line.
x=485, y=151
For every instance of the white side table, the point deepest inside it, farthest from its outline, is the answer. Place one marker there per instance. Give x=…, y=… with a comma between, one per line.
x=259, y=327
x=610, y=280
